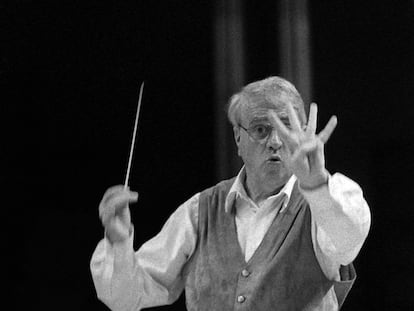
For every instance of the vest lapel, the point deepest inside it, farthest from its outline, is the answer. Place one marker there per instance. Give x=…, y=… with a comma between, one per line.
x=282, y=224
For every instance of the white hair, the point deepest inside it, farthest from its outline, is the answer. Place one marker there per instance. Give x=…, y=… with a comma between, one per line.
x=273, y=90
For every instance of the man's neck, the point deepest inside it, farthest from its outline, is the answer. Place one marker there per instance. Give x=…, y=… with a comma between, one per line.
x=259, y=191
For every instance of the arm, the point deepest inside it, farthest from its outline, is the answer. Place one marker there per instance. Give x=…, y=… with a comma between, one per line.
x=128, y=280
x=340, y=215
x=340, y=222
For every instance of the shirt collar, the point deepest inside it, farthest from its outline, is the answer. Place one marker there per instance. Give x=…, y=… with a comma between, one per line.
x=237, y=190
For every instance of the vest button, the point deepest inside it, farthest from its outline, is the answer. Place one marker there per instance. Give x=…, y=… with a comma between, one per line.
x=241, y=299
x=245, y=273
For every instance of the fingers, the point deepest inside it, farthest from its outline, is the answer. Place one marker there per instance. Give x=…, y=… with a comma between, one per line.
x=329, y=128
x=293, y=118
x=115, y=199
x=313, y=116
x=111, y=191
x=306, y=149
x=281, y=129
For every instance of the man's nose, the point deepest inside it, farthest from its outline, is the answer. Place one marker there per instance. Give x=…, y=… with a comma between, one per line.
x=274, y=141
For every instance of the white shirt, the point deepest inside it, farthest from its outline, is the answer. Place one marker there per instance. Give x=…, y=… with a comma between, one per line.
x=128, y=280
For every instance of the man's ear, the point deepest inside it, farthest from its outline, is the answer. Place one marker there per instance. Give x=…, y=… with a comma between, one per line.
x=236, y=132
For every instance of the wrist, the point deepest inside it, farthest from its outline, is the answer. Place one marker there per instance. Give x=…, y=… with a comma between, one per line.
x=315, y=183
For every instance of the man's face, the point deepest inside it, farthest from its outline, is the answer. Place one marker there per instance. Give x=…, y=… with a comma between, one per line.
x=264, y=158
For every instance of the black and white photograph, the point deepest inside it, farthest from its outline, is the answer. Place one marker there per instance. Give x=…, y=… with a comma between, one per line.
x=207, y=155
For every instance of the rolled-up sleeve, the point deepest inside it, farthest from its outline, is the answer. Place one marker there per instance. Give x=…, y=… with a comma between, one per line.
x=152, y=276
x=340, y=222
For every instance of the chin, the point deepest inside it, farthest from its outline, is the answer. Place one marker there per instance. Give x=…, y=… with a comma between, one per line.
x=279, y=175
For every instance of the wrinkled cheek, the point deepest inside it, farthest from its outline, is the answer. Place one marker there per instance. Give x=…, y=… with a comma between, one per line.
x=242, y=153
x=285, y=155
x=251, y=158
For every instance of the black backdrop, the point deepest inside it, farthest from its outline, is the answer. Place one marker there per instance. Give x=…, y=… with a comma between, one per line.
x=70, y=72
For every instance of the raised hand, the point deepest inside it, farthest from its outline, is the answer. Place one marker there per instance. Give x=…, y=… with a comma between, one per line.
x=114, y=213
x=305, y=149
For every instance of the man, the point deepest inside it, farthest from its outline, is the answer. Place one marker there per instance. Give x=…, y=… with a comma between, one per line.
x=281, y=235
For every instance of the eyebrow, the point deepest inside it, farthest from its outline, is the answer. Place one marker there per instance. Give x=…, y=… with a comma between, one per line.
x=259, y=120
x=283, y=116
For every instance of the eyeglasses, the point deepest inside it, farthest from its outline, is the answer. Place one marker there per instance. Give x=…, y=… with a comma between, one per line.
x=258, y=132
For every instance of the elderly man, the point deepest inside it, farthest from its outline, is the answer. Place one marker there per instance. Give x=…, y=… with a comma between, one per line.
x=281, y=235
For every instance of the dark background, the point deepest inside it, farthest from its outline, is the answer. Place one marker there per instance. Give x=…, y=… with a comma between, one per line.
x=70, y=73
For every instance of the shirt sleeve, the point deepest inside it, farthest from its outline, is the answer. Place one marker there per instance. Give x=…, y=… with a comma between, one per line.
x=152, y=276
x=340, y=223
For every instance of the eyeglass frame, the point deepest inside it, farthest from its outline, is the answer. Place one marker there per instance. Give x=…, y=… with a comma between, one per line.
x=264, y=139
x=260, y=140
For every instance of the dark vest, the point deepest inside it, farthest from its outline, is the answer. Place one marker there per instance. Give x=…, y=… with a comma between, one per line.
x=283, y=274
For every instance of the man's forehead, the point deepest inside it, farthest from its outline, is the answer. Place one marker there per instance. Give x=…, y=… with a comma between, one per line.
x=260, y=111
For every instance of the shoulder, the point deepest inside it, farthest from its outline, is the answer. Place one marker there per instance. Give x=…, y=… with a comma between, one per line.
x=222, y=186
x=189, y=208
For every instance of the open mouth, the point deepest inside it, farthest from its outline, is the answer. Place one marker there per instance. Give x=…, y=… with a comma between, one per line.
x=274, y=159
